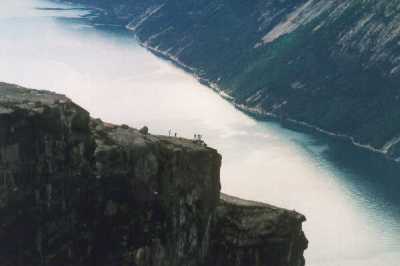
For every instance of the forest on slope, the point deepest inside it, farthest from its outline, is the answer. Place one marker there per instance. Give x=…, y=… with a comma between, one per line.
x=333, y=65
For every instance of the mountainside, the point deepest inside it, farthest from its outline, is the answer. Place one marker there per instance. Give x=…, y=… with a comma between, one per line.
x=332, y=65
x=76, y=191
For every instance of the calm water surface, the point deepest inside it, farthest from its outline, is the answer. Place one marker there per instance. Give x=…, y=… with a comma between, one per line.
x=350, y=197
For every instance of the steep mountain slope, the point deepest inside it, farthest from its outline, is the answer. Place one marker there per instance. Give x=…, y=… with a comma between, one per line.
x=78, y=191
x=333, y=65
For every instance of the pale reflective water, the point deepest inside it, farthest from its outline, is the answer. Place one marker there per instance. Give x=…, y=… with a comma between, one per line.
x=350, y=197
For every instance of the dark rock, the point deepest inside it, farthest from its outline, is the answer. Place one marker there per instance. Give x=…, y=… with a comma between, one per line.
x=251, y=233
x=144, y=130
x=78, y=191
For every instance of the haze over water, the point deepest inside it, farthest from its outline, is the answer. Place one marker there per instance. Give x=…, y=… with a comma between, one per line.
x=350, y=197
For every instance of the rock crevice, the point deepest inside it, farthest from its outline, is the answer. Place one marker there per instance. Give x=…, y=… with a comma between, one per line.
x=78, y=191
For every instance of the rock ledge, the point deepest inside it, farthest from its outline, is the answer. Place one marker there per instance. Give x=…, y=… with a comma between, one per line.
x=77, y=191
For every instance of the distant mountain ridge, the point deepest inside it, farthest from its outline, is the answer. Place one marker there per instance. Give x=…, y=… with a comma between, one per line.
x=331, y=65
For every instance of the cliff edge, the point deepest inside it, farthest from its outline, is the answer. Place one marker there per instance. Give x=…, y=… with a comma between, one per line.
x=78, y=191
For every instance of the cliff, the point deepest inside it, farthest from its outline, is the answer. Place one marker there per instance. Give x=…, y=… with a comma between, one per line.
x=78, y=191
x=330, y=65
x=252, y=233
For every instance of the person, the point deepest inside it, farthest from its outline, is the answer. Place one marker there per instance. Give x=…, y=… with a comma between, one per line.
x=144, y=130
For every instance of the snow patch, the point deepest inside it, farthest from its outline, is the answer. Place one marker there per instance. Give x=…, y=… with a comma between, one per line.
x=255, y=97
x=300, y=16
x=390, y=144
x=134, y=25
x=297, y=85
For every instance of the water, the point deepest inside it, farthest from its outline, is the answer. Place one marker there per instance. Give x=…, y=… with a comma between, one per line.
x=350, y=197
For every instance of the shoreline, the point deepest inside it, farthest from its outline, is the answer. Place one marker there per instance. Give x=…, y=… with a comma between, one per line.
x=256, y=113
x=260, y=114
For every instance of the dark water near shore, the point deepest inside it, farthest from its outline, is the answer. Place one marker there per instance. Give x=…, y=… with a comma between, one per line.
x=351, y=197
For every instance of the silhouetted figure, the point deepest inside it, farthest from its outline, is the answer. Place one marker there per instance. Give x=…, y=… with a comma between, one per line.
x=144, y=130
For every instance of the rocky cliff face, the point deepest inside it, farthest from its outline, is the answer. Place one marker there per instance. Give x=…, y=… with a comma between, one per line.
x=78, y=191
x=251, y=233
x=331, y=65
